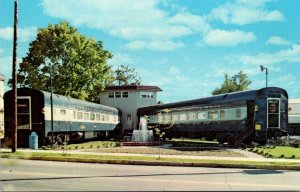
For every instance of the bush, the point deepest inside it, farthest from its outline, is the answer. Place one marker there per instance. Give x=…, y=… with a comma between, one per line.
x=281, y=156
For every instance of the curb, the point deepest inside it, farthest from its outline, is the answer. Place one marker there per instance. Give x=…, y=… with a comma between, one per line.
x=158, y=163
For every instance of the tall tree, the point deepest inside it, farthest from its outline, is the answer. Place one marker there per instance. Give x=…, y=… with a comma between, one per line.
x=124, y=75
x=79, y=64
x=238, y=82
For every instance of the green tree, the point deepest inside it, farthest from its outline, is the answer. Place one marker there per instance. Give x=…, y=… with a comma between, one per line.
x=124, y=75
x=238, y=82
x=79, y=64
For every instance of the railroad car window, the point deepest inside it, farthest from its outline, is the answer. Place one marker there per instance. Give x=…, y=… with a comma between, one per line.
x=74, y=114
x=115, y=119
x=222, y=114
x=79, y=115
x=102, y=117
x=92, y=116
x=118, y=94
x=63, y=112
x=106, y=118
x=192, y=116
x=238, y=112
x=174, y=117
x=166, y=118
x=182, y=117
x=124, y=94
x=202, y=115
x=212, y=114
x=86, y=116
x=159, y=118
x=111, y=94
x=128, y=117
x=97, y=117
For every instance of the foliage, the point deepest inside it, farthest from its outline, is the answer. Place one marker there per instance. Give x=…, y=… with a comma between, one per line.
x=238, y=82
x=124, y=75
x=78, y=63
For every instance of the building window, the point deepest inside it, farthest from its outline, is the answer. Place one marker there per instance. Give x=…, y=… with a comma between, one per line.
x=118, y=94
x=124, y=94
x=147, y=95
x=111, y=95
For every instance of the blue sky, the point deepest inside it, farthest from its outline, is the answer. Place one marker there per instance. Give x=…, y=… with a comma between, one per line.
x=182, y=46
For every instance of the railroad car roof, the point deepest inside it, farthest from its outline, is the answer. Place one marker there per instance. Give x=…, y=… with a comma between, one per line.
x=63, y=101
x=217, y=99
x=59, y=100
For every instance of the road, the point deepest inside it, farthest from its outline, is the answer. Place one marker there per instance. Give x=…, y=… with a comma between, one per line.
x=26, y=175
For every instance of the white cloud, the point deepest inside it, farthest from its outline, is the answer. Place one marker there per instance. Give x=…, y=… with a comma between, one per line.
x=245, y=12
x=24, y=34
x=121, y=59
x=275, y=40
x=155, y=45
x=142, y=23
x=291, y=55
x=228, y=38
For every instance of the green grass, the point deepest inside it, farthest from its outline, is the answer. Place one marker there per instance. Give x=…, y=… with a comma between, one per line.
x=278, y=152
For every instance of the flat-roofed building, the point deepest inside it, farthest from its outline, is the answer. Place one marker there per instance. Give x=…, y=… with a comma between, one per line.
x=128, y=99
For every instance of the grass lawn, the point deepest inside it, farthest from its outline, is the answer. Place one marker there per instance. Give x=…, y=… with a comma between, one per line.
x=278, y=152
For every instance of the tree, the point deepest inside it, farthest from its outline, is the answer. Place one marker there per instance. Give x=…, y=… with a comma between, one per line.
x=238, y=82
x=124, y=75
x=79, y=64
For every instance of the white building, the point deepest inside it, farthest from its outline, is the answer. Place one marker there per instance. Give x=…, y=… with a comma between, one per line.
x=128, y=99
x=1, y=102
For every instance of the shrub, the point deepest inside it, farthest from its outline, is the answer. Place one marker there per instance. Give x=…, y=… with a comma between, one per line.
x=293, y=157
x=281, y=156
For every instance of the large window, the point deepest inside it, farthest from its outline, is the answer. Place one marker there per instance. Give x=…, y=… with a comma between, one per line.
x=124, y=94
x=222, y=114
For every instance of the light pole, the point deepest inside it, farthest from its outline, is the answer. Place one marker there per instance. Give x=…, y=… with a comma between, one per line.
x=262, y=68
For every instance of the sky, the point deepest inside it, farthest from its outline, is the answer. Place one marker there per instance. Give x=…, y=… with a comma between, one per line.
x=183, y=46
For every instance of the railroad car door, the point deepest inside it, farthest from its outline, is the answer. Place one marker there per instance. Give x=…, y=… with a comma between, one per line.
x=273, y=115
x=24, y=112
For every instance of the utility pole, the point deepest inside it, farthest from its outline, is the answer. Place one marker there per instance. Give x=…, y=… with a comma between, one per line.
x=15, y=99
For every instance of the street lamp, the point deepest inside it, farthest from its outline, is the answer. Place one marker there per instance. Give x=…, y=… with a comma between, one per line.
x=262, y=68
